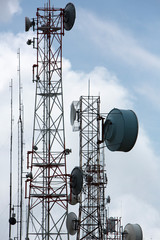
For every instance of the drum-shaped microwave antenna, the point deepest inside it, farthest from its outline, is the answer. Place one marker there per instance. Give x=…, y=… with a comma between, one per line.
x=132, y=232
x=76, y=180
x=71, y=222
x=28, y=24
x=72, y=114
x=69, y=16
x=120, y=130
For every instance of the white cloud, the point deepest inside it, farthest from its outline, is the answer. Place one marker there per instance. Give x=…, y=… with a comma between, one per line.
x=8, y=9
x=111, y=38
x=133, y=177
x=134, y=210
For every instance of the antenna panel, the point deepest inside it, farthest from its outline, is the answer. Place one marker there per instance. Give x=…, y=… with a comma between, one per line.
x=111, y=225
x=71, y=223
x=76, y=180
x=120, y=130
x=69, y=16
x=74, y=115
x=132, y=232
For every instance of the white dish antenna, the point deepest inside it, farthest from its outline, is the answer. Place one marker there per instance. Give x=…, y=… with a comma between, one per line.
x=74, y=115
x=132, y=232
x=71, y=223
x=69, y=16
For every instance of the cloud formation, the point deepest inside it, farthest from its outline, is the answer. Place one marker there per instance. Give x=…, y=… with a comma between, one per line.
x=8, y=9
x=113, y=39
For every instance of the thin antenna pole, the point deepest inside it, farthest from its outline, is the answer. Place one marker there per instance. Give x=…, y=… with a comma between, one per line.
x=11, y=140
x=49, y=3
x=20, y=149
x=89, y=87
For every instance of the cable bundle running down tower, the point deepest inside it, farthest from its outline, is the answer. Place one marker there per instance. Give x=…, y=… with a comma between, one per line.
x=46, y=186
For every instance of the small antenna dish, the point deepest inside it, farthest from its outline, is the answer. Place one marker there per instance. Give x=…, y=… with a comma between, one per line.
x=69, y=16
x=12, y=220
x=28, y=24
x=76, y=180
x=120, y=130
x=72, y=114
x=71, y=223
x=132, y=232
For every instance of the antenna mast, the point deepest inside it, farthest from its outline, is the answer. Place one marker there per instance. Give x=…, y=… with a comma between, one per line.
x=92, y=205
x=11, y=145
x=20, y=156
x=46, y=186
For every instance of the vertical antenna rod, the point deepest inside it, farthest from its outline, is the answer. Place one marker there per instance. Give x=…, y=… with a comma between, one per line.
x=20, y=153
x=11, y=138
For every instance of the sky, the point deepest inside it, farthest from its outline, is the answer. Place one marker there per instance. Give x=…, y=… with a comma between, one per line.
x=115, y=44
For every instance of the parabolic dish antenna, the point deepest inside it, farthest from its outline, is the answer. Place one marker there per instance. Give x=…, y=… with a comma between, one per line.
x=71, y=223
x=76, y=180
x=72, y=114
x=12, y=220
x=28, y=24
x=120, y=130
x=69, y=16
x=132, y=232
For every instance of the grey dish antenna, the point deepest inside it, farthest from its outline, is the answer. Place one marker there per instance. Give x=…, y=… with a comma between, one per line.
x=120, y=130
x=71, y=223
x=28, y=24
x=69, y=16
x=72, y=114
x=76, y=180
x=132, y=232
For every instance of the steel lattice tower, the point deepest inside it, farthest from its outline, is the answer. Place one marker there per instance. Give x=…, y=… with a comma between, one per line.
x=92, y=215
x=46, y=187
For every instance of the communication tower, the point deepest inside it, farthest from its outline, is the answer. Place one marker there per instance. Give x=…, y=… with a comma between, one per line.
x=92, y=205
x=88, y=181
x=46, y=184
